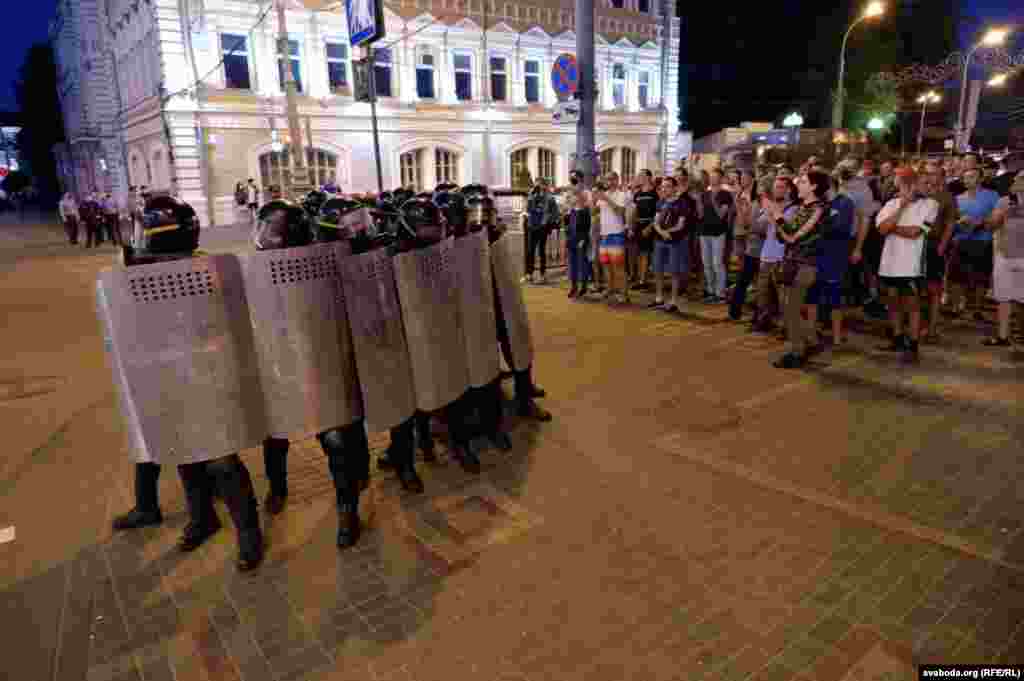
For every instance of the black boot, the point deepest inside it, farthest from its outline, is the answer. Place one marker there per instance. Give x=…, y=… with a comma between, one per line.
x=147, y=505
x=401, y=455
x=346, y=465
x=235, y=485
x=424, y=437
x=489, y=401
x=275, y=462
x=525, y=392
x=203, y=522
x=460, y=441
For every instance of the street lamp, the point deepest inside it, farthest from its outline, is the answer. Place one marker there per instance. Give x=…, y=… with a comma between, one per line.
x=876, y=123
x=928, y=97
x=998, y=79
x=874, y=9
x=992, y=38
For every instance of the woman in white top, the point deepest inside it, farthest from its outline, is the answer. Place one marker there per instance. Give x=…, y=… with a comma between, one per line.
x=68, y=210
x=1007, y=225
x=612, y=207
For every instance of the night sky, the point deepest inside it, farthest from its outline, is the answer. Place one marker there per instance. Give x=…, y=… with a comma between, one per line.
x=32, y=26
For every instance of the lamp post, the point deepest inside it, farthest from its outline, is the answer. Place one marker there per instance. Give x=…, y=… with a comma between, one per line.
x=993, y=38
x=298, y=181
x=874, y=9
x=924, y=100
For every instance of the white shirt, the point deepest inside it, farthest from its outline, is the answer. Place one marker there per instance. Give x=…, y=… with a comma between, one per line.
x=68, y=208
x=252, y=193
x=901, y=257
x=611, y=221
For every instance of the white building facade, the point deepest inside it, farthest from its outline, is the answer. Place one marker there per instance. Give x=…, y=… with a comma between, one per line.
x=456, y=102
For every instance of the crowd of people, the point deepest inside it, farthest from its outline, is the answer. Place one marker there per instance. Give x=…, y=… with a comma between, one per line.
x=909, y=241
x=98, y=217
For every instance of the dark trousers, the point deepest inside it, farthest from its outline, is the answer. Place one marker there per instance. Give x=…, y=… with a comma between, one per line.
x=71, y=227
x=538, y=242
x=579, y=263
x=348, y=459
x=231, y=478
x=93, y=232
x=147, y=497
x=751, y=267
x=113, y=227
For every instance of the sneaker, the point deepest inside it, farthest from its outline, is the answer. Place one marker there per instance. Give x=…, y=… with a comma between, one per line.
x=671, y=308
x=135, y=518
x=527, y=279
x=655, y=304
x=997, y=342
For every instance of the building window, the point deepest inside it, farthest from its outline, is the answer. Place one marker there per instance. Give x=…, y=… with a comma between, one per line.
x=425, y=76
x=532, y=69
x=618, y=85
x=236, y=62
x=463, y=64
x=337, y=66
x=628, y=171
x=276, y=167
x=382, y=72
x=644, y=6
x=607, y=161
x=411, y=165
x=296, y=64
x=499, y=79
x=643, y=89
x=617, y=4
x=519, y=169
x=546, y=164
x=446, y=166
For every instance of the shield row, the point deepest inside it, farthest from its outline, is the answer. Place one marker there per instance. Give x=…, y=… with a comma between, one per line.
x=212, y=355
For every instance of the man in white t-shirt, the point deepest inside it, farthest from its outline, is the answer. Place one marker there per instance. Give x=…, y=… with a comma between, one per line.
x=612, y=205
x=252, y=198
x=905, y=222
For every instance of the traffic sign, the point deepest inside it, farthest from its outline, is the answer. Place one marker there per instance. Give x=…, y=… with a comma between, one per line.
x=567, y=112
x=565, y=76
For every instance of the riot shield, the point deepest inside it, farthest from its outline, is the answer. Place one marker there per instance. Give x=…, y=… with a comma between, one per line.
x=510, y=293
x=378, y=337
x=180, y=347
x=302, y=339
x=430, y=311
x=472, y=259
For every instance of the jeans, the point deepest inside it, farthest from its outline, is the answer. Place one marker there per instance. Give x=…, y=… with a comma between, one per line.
x=751, y=266
x=712, y=251
x=538, y=242
x=579, y=262
x=802, y=333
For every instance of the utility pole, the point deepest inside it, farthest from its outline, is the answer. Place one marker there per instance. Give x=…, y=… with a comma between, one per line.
x=300, y=175
x=585, y=154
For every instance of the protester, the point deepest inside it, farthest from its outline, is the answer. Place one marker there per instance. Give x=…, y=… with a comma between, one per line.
x=68, y=211
x=838, y=229
x=644, y=208
x=781, y=199
x=747, y=245
x=542, y=217
x=718, y=203
x=801, y=236
x=904, y=221
x=937, y=243
x=676, y=216
x=111, y=221
x=611, y=201
x=1007, y=226
x=972, y=263
x=577, y=236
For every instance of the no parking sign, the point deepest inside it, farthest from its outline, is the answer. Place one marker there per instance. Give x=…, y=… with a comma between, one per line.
x=565, y=76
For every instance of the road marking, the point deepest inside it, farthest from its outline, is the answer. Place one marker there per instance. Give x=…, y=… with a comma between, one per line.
x=7, y=534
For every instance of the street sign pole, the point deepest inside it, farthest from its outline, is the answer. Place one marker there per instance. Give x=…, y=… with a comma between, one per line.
x=365, y=27
x=373, y=118
x=585, y=154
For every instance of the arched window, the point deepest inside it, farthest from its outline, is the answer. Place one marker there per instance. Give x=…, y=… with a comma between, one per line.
x=276, y=167
x=423, y=168
x=539, y=162
x=621, y=160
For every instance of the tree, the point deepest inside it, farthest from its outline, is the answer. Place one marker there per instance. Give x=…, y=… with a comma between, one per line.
x=36, y=90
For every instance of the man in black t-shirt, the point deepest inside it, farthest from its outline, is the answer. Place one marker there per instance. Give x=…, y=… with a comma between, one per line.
x=717, y=205
x=645, y=207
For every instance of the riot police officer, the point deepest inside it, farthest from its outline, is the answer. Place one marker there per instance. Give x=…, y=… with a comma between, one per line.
x=283, y=225
x=171, y=232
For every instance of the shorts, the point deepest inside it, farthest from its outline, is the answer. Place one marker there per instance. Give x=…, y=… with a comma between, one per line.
x=671, y=257
x=826, y=293
x=973, y=260
x=613, y=249
x=904, y=287
x=1008, y=280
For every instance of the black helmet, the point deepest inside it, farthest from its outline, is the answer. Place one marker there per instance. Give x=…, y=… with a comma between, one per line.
x=453, y=207
x=423, y=218
x=282, y=224
x=330, y=224
x=446, y=187
x=475, y=190
x=313, y=201
x=400, y=196
x=480, y=212
x=170, y=226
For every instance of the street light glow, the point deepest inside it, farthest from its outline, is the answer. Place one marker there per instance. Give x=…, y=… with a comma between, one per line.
x=995, y=36
x=875, y=9
x=793, y=120
x=929, y=97
x=876, y=123
x=997, y=80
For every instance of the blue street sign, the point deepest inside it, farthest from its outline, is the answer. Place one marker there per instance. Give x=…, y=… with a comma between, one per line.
x=365, y=21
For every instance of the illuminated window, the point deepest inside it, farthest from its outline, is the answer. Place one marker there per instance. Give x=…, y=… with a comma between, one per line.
x=337, y=66
x=411, y=165
x=236, y=61
x=276, y=167
x=446, y=166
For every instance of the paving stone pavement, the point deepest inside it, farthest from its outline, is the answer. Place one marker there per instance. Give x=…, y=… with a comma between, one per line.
x=691, y=513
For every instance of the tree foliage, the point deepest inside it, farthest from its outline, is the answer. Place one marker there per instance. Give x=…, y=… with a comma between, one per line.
x=36, y=90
